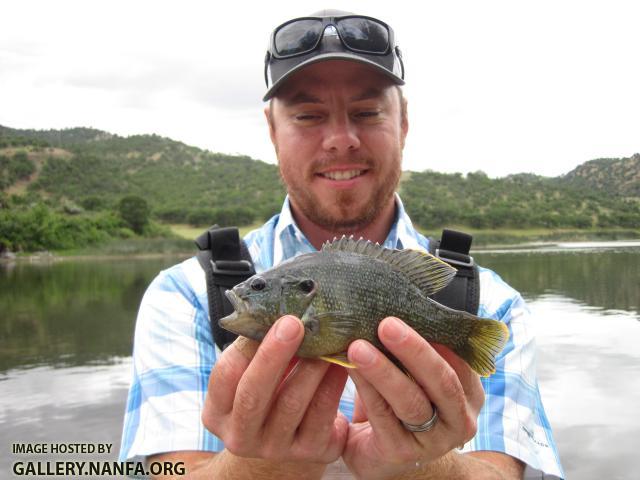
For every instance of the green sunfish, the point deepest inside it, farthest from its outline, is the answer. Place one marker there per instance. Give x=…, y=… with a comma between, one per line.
x=342, y=292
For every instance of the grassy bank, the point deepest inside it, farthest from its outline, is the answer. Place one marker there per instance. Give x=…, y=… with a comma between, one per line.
x=182, y=243
x=190, y=232
x=134, y=246
x=502, y=237
x=484, y=237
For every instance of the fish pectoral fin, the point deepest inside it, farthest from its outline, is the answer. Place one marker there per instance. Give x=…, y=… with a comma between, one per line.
x=339, y=359
x=340, y=323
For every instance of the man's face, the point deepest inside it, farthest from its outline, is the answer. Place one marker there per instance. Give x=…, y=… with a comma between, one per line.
x=338, y=132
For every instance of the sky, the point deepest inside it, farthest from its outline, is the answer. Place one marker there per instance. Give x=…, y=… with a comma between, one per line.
x=499, y=86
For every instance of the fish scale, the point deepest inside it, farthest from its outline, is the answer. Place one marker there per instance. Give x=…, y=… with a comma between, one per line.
x=377, y=298
x=355, y=285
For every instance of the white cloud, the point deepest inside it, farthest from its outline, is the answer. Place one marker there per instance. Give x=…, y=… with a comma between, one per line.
x=500, y=86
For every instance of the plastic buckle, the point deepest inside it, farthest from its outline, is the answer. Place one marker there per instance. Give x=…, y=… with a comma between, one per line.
x=236, y=268
x=453, y=261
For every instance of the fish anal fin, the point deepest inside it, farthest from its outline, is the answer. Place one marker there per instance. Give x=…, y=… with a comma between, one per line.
x=339, y=359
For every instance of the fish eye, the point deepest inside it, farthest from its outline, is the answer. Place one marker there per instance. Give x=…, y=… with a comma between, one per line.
x=307, y=286
x=258, y=284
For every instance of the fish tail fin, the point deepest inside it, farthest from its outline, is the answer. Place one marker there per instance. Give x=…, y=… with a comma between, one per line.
x=485, y=341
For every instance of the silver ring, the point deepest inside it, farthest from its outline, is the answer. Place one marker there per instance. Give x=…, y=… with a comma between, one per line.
x=426, y=426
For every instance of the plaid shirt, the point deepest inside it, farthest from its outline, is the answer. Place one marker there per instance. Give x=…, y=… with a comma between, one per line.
x=174, y=353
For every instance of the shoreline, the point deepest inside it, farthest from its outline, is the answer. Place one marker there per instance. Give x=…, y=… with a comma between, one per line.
x=52, y=257
x=555, y=240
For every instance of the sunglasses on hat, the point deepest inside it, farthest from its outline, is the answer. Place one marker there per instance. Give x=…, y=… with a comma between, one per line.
x=356, y=32
x=367, y=38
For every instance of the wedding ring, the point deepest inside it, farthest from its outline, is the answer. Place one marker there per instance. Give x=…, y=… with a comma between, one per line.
x=426, y=426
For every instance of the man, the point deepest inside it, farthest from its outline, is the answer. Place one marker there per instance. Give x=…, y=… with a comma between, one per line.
x=338, y=122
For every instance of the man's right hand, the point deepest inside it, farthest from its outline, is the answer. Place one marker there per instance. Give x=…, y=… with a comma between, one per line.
x=260, y=413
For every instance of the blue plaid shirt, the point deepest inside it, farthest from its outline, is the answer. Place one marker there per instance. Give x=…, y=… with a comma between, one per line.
x=174, y=353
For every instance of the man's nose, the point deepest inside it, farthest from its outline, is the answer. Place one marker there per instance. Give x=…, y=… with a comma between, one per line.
x=341, y=135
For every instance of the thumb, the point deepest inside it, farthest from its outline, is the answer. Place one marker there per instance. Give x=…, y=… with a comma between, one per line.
x=359, y=411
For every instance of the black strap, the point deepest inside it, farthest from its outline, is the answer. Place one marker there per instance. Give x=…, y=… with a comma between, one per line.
x=463, y=293
x=226, y=262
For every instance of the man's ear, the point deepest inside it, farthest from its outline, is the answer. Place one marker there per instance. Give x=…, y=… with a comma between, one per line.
x=404, y=121
x=268, y=113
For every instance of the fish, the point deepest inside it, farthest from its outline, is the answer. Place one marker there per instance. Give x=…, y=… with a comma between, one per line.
x=343, y=291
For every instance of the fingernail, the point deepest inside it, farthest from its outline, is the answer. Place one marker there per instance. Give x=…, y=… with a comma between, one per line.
x=362, y=354
x=394, y=330
x=286, y=329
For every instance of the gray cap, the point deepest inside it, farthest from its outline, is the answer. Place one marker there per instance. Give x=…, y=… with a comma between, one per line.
x=278, y=70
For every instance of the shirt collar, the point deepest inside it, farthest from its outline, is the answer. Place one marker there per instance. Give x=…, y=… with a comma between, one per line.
x=290, y=241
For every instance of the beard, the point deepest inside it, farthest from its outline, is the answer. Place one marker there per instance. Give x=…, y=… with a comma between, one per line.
x=345, y=211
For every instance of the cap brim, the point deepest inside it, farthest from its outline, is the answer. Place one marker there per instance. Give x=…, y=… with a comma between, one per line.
x=331, y=56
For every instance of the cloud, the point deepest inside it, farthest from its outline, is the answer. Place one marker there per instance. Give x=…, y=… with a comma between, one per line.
x=141, y=79
x=503, y=88
x=231, y=90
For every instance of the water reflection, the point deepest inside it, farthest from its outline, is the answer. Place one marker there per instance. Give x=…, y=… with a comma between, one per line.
x=71, y=312
x=66, y=338
x=81, y=404
x=608, y=279
x=66, y=333
x=587, y=368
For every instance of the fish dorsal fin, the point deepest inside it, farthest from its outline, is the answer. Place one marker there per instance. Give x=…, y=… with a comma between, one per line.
x=427, y=272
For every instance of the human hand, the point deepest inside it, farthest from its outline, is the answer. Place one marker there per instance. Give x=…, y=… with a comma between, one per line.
x=378, y=445
x=262, y=409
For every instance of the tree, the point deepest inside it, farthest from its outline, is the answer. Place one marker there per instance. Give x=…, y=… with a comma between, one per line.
x=135, y=212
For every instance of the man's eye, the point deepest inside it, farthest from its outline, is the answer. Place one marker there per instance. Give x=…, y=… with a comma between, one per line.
x=307, y=117
x=368, y=114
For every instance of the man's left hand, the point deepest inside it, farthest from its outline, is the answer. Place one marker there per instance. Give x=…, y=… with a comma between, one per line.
x=378, y=445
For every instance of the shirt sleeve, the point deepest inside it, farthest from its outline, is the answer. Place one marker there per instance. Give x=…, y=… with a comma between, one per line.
x=513, y=420
x=172, y=359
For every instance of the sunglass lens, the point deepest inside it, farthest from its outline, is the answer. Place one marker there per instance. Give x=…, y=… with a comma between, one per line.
x=364, y=34
x=298, y=37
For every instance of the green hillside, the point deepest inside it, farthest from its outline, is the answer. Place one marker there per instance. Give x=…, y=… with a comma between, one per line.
x=54, y=138
x=94, y=170
x=516, y=201
x=69, y=185
x=619, y=175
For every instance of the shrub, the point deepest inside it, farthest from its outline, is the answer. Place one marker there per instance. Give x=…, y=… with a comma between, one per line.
x=135, y=212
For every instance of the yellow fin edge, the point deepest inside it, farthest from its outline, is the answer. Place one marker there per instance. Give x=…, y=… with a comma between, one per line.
x=338, y=360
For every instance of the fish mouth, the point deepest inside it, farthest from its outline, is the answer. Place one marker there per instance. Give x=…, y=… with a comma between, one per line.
x=236, y=302
x=241, y=321
x=239, y=307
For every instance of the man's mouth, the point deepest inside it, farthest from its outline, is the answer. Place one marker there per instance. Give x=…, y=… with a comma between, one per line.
x=342, y=174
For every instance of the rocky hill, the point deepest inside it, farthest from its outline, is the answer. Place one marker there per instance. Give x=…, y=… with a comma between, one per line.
x=614, y=175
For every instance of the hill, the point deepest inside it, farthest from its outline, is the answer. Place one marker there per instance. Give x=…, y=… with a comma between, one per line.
x=55, y=138
x=602, y=196
x=93, y=170
x=84, y=171
x=617, y=175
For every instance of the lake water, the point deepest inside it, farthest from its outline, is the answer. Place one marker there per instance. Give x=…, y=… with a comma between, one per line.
x=66, y=336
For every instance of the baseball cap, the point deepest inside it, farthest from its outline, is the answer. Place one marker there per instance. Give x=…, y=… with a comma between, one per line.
x=330, y=35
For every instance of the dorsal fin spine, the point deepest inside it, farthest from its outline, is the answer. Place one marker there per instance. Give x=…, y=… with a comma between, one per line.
x=427, y=272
